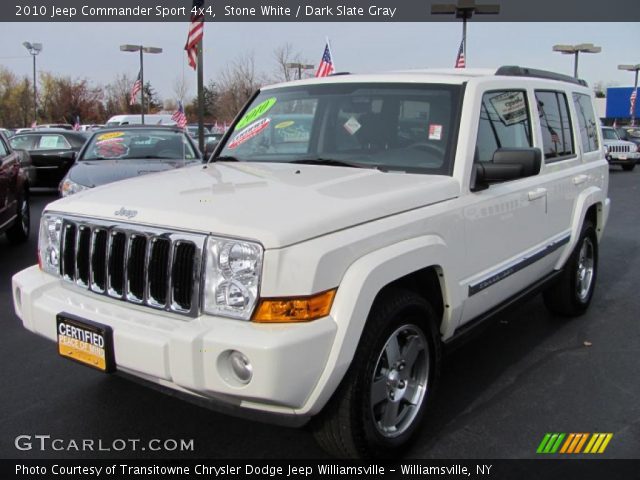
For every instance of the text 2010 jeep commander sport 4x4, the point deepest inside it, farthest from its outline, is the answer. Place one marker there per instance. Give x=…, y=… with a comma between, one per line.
x=344, y=230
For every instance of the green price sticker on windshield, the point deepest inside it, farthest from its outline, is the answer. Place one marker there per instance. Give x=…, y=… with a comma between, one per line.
x=256, y=112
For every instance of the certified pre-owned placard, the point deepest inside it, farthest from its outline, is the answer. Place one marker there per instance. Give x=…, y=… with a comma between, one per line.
x=86, y=342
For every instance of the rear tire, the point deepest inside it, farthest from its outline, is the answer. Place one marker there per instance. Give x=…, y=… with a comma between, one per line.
x=380, y=403
x=19, y=231
x=571, y=295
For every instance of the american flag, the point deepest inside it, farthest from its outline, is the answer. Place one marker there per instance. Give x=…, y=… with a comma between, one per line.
x=135, y=89
x=460, y=62
x=196, y=32
x=76, y=125
x=326, y=66
x=34, y=124
x=179, y=117
x=632, y=101
x=554, y=135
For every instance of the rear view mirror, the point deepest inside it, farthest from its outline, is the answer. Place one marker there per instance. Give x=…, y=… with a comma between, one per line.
x=507, y=164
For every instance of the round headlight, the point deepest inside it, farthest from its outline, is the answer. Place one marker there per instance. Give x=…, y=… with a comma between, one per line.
x=238, y=260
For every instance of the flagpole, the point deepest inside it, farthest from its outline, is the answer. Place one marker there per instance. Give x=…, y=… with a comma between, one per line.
x=200, y=98
x=331, y=53
x=141, y=85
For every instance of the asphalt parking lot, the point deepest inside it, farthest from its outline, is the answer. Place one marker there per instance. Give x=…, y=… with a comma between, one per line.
x=527, y=375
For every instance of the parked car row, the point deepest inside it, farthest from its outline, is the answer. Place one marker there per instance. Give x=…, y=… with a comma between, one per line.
x=14, y=194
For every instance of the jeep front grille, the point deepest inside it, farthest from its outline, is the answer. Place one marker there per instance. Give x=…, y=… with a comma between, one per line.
x=147, y=266
x=619, y=149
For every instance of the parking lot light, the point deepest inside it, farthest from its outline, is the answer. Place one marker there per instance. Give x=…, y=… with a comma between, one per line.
x=632, y=68
x=299, y=67
x=575, y=50
x=142, y=49
x=34, y=49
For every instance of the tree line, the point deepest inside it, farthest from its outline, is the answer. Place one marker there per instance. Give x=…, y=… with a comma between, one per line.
x=62, y=99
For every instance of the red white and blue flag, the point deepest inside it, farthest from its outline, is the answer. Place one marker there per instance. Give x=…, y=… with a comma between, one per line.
x=326, y=66
x=196, y=32
x=632, y=101
x=460, y=62
x=179, y=117
x=135, y=89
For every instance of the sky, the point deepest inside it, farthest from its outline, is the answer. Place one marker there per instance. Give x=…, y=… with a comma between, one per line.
x=91, y=50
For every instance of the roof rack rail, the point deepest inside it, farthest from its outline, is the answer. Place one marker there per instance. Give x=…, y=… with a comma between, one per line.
x=339, y=73
x=515, y=71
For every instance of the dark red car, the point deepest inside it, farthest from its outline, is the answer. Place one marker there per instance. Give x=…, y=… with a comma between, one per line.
x=14, y=194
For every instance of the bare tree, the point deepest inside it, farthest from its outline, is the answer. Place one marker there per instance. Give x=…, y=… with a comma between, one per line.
x=236, y=84
x=284, y=55
x=180, y=87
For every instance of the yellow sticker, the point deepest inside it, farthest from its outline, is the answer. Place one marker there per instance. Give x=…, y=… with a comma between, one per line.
x=110, y=135
x=285, y=124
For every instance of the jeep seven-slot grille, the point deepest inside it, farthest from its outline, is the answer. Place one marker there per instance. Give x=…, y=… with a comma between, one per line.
x=620, y=148
x=160, y=269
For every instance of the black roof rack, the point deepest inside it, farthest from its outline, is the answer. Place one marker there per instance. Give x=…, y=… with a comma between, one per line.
x=339, y=73
x=515, y=71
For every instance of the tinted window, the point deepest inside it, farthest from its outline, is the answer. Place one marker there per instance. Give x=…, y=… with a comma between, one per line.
x=610, y=134
x=401, y=127
x=555, y=123
x=52, y=142
x=586, y=122
x=24, y=142
x=3, y=149
x=504, y=123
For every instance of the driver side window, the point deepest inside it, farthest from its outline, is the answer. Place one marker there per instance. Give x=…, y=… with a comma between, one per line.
x=504, y=123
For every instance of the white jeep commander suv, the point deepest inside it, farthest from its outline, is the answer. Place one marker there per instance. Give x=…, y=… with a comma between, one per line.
x=344, y=230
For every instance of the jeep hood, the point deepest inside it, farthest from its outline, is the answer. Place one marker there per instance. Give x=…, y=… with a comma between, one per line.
x=277, y=204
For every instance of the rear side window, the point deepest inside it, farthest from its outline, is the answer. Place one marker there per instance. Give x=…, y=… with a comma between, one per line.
x=3, y=149
x=586, y=122
x=504, y=123
x=23, y=142
x=52, y=142
x=557, y=138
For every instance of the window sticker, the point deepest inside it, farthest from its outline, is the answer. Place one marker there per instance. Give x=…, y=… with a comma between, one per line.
x=249, y=132
x=256, y=112
x=285, y=124
x=107, y=136
x=352, y=125
x=511, y=107
x=435, y=131
x=111, y=148
x=50, y=142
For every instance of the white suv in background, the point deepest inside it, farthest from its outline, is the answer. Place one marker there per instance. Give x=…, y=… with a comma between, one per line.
x=345, y=229
x=618, y=151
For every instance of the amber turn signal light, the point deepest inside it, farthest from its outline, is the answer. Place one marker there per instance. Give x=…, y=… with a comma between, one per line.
x=295, y=309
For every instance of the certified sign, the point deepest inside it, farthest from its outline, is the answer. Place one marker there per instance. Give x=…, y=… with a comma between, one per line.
x=85, y=342
x=511, y=107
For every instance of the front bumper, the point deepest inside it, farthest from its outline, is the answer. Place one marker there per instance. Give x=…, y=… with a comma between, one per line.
x=188, y=355
x=629, y=158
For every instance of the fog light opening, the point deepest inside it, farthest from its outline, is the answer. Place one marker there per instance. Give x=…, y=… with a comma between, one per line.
x=241, y=367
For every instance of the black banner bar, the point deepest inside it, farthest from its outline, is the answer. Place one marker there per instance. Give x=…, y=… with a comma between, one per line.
x=311, y=11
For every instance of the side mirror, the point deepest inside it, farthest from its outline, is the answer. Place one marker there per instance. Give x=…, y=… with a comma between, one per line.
x=507, y=164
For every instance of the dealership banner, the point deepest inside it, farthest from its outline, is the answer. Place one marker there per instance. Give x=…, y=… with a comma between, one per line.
x=309, y=11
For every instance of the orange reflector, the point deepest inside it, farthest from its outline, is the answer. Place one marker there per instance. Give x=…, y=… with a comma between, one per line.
x=300, y=309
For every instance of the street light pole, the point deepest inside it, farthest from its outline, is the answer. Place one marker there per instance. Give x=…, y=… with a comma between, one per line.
x=575, y=50
x=299, y=67
x=34, y=49
x=142, y=49
x=632, y=68
x=464, y=9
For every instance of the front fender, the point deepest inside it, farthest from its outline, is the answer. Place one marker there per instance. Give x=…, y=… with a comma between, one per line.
x=362, y=282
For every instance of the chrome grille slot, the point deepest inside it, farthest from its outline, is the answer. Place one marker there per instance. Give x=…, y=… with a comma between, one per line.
x=115, y=276
x=142, y=265
x=182, y=275
x=83, y=244
x=136, y=267
x=99, y=260
x=69, y=252
x=158, y=271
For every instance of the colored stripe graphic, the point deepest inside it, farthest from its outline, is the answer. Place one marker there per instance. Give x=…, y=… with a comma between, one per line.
x=573, y=443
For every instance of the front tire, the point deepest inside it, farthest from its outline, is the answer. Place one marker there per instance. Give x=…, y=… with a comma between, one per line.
x=381, y=401
x=628, y=168
x=19, y=231
x=571, y=295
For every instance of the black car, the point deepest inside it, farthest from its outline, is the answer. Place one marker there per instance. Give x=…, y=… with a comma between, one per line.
x=117, y=153
x=630, y=134
x=14, y=194
x=52, y=152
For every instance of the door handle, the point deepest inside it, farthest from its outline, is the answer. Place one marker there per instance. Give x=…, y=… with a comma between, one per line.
x=537, y=193
x=578, y=179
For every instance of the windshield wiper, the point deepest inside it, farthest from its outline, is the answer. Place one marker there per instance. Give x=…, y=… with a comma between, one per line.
x=224, y=158
x=332, y=162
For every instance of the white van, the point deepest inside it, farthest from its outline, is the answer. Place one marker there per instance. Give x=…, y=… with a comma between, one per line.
x=152, y=119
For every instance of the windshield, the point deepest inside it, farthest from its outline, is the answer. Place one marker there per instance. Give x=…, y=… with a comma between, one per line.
x=407, y=127
x=139, y=143
x=610, y=134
